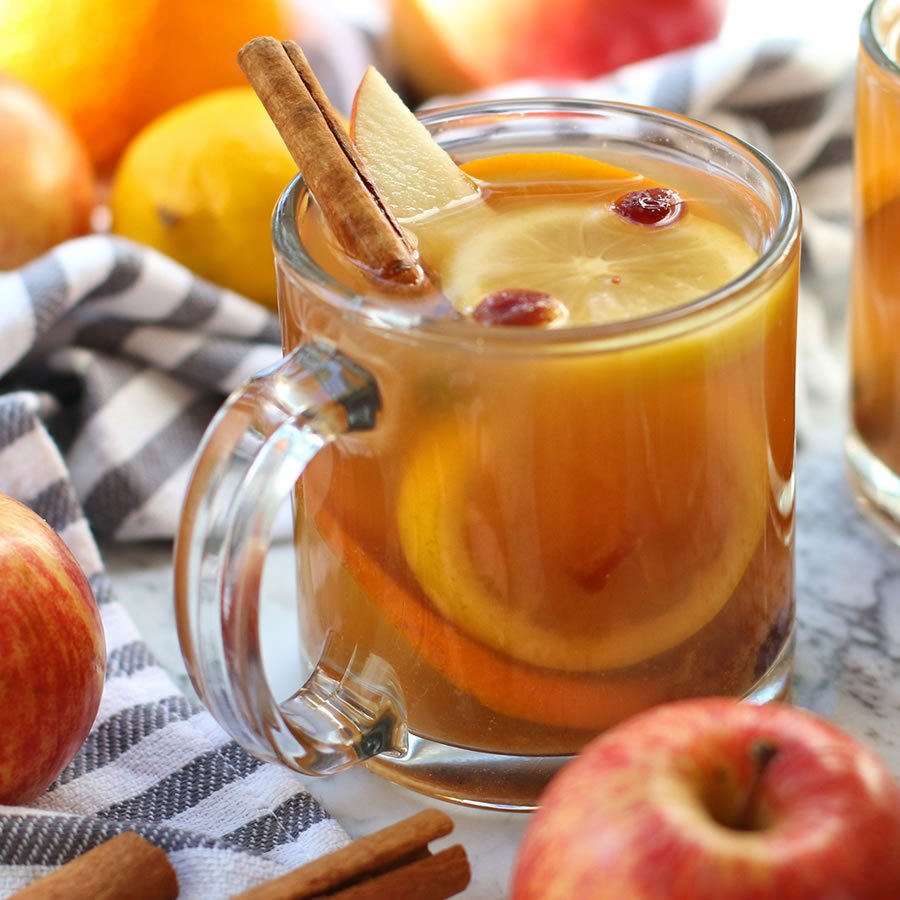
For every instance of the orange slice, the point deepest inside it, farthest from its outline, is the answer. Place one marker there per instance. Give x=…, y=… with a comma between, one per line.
x=551, y=169
x=499, y=682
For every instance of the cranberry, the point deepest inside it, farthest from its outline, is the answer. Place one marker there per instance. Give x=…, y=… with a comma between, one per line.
x=518, y=306
x=652, y=206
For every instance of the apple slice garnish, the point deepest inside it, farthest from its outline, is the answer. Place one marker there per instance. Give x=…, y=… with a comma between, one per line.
x=408, y=167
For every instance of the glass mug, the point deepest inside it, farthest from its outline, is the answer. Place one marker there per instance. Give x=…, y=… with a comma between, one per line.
x=873, y=444
x=507, y=539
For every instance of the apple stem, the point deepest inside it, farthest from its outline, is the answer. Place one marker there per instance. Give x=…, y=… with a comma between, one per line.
x=762, y=754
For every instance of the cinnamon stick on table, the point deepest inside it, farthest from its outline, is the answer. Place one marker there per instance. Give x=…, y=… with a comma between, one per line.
x=126, y=867
x=336, y=174
x=394, y=862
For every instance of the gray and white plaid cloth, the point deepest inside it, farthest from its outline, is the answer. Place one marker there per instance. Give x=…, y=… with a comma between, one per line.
x=112, y=360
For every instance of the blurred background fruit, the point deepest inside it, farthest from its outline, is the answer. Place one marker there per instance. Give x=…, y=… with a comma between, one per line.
x=111, y=66
x=46, y=181
x=452, y=46
x=200, y=184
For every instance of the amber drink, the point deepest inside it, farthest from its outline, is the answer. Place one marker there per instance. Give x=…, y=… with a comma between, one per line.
x=540, y=447
x=873, y=446
x=578, y=499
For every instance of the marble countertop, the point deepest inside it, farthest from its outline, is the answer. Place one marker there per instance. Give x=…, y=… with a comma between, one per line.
x=847, y=664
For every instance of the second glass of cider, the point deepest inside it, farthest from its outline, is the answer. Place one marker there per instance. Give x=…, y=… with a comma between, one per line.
x=873, y=445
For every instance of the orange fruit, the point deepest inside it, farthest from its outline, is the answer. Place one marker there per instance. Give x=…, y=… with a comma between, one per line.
x=110, y=67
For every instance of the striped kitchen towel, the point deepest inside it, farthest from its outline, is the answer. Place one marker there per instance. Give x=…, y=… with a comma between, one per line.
x=113, y=359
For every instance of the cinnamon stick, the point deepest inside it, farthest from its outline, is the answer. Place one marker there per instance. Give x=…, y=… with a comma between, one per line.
x=126, y=867
x=312, y=131
x=432, y=878
x=399, y=850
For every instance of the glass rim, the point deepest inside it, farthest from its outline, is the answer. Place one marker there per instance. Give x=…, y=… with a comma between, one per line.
x=875, y=49
x=377, y=313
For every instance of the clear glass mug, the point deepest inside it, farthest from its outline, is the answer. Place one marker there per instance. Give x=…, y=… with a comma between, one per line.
x=507, y=539
x=873, y=444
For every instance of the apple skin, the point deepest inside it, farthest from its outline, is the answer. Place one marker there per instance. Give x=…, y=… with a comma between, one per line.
x=640, y=812
x=449, y=48
x=46, y=180
x=52, y=654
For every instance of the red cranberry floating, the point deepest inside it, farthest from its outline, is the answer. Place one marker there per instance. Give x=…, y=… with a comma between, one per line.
x=518, y=306
x=652, y=206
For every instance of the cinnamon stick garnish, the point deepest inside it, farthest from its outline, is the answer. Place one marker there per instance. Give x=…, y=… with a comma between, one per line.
x=392, y=862
x=336, y=174
x=126, y=867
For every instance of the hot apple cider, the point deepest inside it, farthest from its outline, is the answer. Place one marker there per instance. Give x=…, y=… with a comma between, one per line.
x=536, y=418
x=874, y=446
x=561, y=518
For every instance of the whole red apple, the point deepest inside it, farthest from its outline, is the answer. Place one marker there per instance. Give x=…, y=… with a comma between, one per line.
x=46, y=180
x=713, y=798
x=448, y=48
x=52, y=654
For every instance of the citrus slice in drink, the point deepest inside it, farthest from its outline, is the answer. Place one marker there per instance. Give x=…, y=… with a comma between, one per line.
x=506, y=685
x=599, y=264
x=604, y=550
x=642, y=561
x=549, y=172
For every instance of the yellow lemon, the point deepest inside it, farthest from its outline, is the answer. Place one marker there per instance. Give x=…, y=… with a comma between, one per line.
x=200, y=184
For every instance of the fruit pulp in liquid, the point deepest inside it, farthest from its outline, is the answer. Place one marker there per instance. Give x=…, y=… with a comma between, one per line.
x=541, y=540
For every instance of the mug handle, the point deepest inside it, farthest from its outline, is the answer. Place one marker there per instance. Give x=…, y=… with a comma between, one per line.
x=254, y=451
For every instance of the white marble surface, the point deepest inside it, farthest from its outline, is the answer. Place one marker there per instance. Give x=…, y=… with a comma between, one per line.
x=847, y=662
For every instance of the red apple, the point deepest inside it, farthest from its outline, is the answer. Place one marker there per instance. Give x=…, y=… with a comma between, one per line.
x=46, y=181
x=446, y=48
x=52, y=654
x=714, y=798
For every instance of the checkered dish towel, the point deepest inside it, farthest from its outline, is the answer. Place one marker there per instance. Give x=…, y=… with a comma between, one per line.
x=112, y=361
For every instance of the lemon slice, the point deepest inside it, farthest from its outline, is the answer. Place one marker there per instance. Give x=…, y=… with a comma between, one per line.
x=602, y=267
x=661, y=591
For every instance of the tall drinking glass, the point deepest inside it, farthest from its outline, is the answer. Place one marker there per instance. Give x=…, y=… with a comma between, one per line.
x=873, y=444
